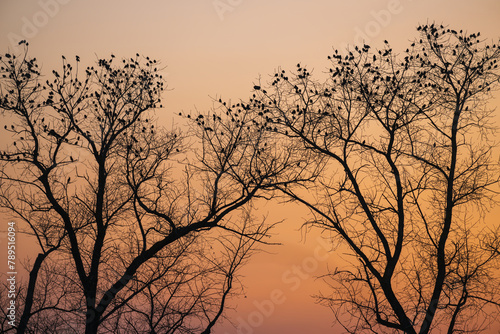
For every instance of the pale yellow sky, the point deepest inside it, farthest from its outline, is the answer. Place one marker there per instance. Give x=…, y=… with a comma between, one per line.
x=214, y=48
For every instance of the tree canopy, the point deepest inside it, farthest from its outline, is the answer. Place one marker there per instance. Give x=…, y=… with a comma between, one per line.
x=406, y=149
x=143, y=229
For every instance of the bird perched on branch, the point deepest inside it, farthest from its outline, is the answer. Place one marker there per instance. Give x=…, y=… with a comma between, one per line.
x=55, y=134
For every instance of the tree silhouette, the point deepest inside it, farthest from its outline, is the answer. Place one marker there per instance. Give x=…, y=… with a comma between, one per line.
x=406, y=150
x=127, y=208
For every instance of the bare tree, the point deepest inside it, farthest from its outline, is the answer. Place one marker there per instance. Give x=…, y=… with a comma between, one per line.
x=192, y=298
x=406, y=146
x=122, y=202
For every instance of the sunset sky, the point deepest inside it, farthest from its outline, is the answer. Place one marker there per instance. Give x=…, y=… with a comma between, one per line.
x=220, y=48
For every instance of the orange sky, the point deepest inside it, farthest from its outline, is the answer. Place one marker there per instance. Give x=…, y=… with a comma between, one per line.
x=214, y=48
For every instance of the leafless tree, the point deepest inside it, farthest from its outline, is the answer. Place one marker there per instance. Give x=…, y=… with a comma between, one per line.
x=407, y=151
x=192, y=298
x=126, y=205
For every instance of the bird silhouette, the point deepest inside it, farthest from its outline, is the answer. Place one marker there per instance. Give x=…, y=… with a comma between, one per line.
x=54, y=134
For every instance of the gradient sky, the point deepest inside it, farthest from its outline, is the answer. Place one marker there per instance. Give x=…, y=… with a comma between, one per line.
x=219, y=48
